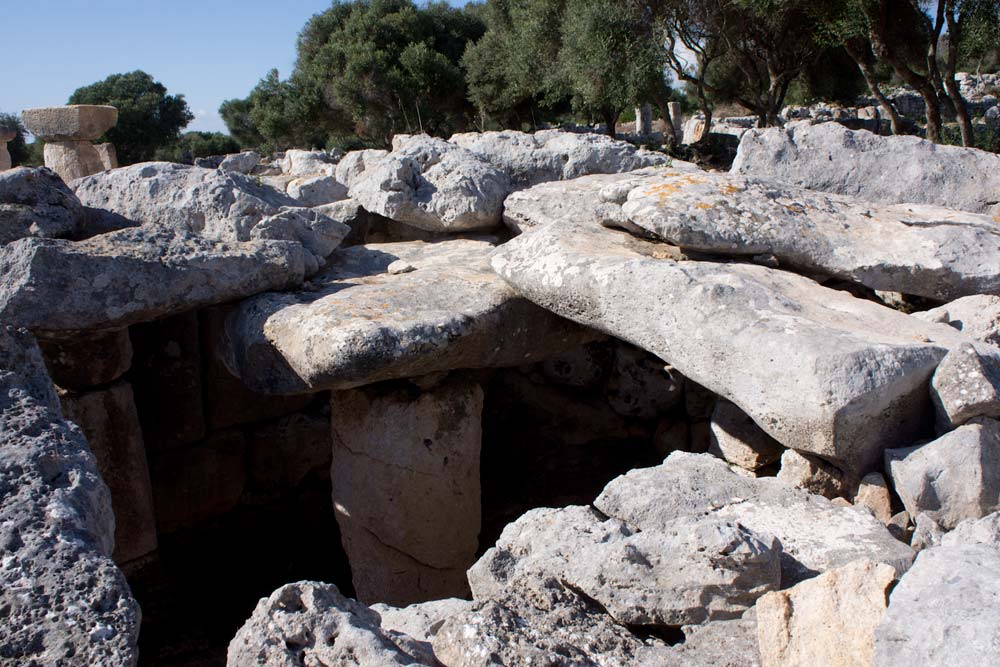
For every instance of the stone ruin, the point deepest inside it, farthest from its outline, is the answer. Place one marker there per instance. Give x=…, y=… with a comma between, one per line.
x=505, y=399
x=69, y=133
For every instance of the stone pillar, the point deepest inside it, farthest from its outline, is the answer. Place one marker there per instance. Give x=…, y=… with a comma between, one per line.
x=5, y=136
x=677, y=118
x=644, y=120
x=68, y=132
x=108, y=155
x=406, y=491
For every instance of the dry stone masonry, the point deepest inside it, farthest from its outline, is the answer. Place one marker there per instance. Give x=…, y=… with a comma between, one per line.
x=520, y=399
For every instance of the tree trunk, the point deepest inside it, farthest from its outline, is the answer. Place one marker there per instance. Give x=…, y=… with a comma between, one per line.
x=610, y=120
x=669, y=132
x=865, y=63
x=954, y=91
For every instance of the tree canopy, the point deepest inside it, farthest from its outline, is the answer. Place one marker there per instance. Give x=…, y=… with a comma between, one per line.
x=148, y=118
x=18, y=148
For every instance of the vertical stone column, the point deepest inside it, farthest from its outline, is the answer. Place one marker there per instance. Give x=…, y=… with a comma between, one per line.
x=644, y=120
x=68, y=133
x=677, y=118
x=5, y=136
x=406, y=490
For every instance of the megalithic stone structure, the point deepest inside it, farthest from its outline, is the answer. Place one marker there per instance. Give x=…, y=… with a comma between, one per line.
x=68, y=133
x=5, y=136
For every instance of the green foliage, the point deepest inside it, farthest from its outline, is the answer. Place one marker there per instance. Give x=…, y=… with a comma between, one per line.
x=979, y=47
x=20, y=153
x=236, y=115
x=193, y=145
x=148, y=118
x=987, y=136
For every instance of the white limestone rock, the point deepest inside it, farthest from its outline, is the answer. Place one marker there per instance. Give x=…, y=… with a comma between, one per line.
x=887, y=170
x=965, y=386
x=976, y=316
x=34, y=201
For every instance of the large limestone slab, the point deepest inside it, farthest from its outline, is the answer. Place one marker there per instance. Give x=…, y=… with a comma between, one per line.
x=113, y=280
x=432, y=184
x=690, y=571
x=819, y=370
x=888, y=170
x=815, y=534
x=555, y=155
x=405, y=478
x=34, y=201
x=976, y=316
x=944, y=611
x=368, y=317
x=310, y=623
x=829, y=620
x=924, y=250
x=64, y=600
x=223, y=206
x=74, y=122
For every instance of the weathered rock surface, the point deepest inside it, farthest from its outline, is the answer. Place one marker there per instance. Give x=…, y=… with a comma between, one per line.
x=421, y=621
x=923, y=250
x=590, y=200
x=359, y=324
x=737, y=439
x=819, y=370
x=108, y=419
x=419, y=459
x=308, y=163
x=829, y=620
x=953, y=478
x=976, y=316
x=316, y=190
x=975, y=531
x=113, y=280
x=887, y=170
x=282, y=452
x=548, y=625
x=640, y=386
x=212, y=204
x=310, y=623
x=34, y=201
x=688, y=571
x=434, y=185
x=812, y=474
x=965, y=386
x=815, y=534
x=555, y=155
x=944, y=610
x=64, y=600
x=242, y=163
x=873, y=493
x=353, y=165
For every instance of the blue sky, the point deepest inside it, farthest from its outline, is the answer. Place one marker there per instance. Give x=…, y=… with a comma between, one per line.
x=208, y=50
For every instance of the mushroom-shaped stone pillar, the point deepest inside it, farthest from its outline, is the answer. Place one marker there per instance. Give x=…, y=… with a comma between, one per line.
x=6, y=134
x=68, y=132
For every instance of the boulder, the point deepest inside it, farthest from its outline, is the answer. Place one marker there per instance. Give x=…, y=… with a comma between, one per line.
x=316, y=190
x=350, y=213
x=887, y=170
x=718, y=644
x=423, y=620
x=311, y=623
x=433, y=185
x=812, y=473
x=815, y=534
x=111, y=281
x=548, y=625
x=419, y=457
x=555, y=155
x=75, y=122
x=820, y=371
x=64, y=600
x=975, y=531
x=689, y=571
x=965, y=386
x=944, y=611
x=242, y=163
x=829, y=620
x=976, y=316
x=353, y=165
x=923, y=250
x=953, y=478
x=358, y=324
x=88, y=360
x=212, y=204
x=308, y=163
x=34, y=201
x=873, y=493
x=73, y=159
x=108, y=419
x=736, y=438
